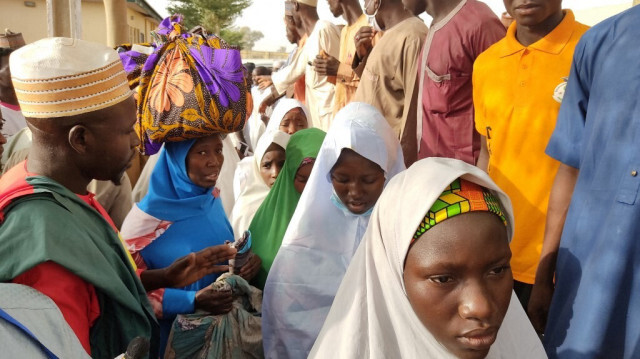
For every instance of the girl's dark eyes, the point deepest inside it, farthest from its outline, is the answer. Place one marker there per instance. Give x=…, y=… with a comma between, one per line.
x=441, y=279
x=370, y=179
x=340, y=179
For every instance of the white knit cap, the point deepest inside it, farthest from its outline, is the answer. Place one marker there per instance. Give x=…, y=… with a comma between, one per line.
x=57, y=77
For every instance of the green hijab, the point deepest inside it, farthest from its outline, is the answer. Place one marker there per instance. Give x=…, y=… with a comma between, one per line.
x=272, y=218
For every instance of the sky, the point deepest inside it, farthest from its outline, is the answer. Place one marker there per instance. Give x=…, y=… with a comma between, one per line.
x=266, y=17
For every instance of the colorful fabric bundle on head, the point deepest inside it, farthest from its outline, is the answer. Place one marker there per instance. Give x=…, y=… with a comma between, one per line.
x=188, y=85
x=460, y=197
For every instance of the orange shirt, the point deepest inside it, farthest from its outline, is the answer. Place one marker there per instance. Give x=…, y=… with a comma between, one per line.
x=516, y=94
x=299, y=85
x=347, y=81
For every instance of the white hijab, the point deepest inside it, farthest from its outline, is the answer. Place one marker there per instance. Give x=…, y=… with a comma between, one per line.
x=371, y=316
x=282, y=108
x=249, y=185
x=255, y=128
x=322, y=238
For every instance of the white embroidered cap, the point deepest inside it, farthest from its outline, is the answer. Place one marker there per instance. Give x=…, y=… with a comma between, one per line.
x=57, y=77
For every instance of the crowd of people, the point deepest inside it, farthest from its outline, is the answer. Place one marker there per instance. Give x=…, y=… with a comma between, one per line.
x=392, y=190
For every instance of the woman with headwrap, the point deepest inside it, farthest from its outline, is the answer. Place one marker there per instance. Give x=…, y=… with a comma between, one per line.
x=182, y=214
x=432, y=286
x=255, y=176
x=190, y=89
x=273, y=216
x=359, y=155
x=224, y=183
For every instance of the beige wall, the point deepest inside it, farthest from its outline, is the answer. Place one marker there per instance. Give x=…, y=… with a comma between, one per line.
x=32, y=21
x=140, y=24
x=94, y=24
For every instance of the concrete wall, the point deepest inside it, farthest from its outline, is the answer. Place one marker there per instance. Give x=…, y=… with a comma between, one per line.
x=32, y=21
x=94, y=24
x=140, y=26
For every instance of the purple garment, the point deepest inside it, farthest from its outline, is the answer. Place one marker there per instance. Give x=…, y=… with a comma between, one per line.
x=452, y=46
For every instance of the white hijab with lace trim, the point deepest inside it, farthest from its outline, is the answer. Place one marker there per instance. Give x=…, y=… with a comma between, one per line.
x=371, y=316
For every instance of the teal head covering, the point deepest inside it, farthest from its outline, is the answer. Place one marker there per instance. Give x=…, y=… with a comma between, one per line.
x=272, y=218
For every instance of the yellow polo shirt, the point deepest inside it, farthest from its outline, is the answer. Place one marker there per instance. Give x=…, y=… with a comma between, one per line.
x=517, y=92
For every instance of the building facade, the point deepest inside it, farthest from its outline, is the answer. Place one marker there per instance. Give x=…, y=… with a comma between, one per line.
x=30, y=18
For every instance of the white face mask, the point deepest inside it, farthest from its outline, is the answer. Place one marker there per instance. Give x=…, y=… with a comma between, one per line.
x=372, y=18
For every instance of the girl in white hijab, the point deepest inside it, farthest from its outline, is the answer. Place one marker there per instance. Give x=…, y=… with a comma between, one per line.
x=250, y=185
x=289, y=116
x=401, y=298
x=360, y=152
x=290, y=113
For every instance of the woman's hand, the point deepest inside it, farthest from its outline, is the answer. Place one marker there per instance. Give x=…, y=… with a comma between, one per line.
x=188, y=269
x=250, y=269
x=194, y=266
x=213, y=301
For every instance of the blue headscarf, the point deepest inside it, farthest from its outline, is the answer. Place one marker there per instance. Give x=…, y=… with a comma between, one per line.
x=172, y=196
x=199, y=221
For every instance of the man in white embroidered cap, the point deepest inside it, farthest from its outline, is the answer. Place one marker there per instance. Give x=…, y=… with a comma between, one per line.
x=54, y=236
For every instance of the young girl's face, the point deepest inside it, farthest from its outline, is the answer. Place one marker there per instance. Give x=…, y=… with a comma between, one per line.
x=302, y=176
x=293, y=121
x=358, y=182
x=271, y=164
x=459, y=282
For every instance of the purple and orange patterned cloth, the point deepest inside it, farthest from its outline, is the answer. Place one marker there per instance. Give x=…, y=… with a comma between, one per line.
x=187, y=85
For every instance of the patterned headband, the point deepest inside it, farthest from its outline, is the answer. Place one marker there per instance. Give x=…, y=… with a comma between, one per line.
x=460, y=197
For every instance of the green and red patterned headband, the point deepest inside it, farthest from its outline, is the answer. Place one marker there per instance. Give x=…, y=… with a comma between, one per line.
x=460, y=197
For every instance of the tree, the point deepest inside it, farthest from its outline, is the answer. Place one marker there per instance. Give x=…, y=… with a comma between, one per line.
x=217, y=16
x=213, y=15
x=249, y=37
